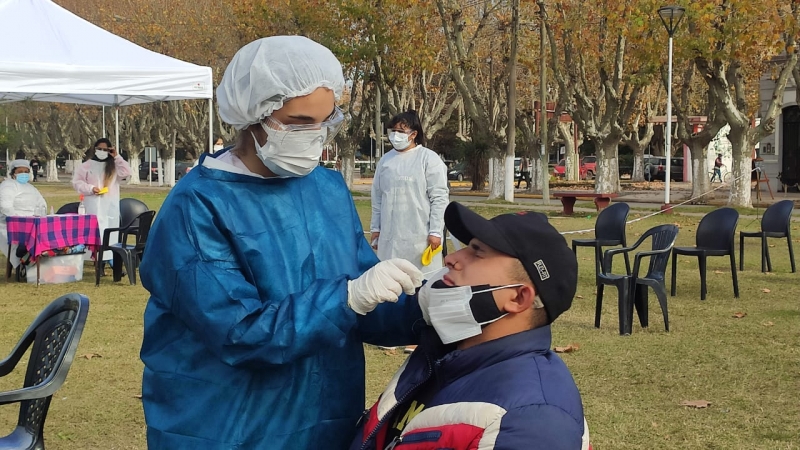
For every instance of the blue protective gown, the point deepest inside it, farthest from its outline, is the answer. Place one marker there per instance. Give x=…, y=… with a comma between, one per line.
x=248, y=339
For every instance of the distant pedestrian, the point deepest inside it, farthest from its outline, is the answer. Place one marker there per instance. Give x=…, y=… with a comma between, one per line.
x=35, y=169
x=524, y=173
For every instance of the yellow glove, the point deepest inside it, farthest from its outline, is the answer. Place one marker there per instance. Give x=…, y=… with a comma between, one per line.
x=428, y=254
x=103, y=191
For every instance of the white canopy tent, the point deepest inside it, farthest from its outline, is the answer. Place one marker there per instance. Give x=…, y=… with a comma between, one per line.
x=49, y=54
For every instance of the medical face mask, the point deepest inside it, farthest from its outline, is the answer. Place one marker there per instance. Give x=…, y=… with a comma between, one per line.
x=294, y=150
x=218, y=147
x=400, y=141
x=23, y=178
x=459, y=312
x=102, y=155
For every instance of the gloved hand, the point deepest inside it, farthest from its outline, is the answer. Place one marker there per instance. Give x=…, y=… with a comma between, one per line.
x=382, y=283
x=423, y=296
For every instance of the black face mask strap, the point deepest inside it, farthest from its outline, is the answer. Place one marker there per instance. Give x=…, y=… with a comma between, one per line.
x=484, y=309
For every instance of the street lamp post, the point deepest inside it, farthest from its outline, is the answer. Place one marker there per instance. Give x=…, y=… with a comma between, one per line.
x=671, y=16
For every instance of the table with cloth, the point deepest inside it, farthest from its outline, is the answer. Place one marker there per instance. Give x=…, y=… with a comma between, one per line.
x=53, y=234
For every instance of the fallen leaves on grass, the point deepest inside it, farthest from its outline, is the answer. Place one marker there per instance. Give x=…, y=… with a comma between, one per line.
x=739, y=315
x=697, y=404
x=578, y=296
x=718, y=272
x=390, y=352
x=768, y=324
x=568, y=349
x=139, y=396
x=766, y=291
x=92, y=355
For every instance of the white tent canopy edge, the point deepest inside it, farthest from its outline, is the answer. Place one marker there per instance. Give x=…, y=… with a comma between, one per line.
x=71, y=60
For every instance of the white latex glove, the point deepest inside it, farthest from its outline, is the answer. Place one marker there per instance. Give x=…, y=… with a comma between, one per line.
x=423, y=296
x=382, y=283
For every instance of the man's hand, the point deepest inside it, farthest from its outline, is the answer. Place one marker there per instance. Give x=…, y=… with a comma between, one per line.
x=434, y=241
x=373, y=239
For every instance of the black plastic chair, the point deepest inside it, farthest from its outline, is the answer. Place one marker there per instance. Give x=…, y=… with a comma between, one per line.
x=609, y=230
x=124, y=253
x=776, y=223
x=54, y=334
x=632, y=288
x=129, y=210
x=715, y=237
x=69, y=208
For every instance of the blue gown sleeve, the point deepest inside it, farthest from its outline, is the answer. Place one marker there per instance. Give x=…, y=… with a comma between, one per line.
x=192, y=270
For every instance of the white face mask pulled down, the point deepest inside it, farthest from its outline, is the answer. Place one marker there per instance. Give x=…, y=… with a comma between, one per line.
x=291, y=154
x=451, y=310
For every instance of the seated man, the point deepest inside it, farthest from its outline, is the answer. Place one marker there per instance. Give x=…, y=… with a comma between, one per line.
x=484, y=375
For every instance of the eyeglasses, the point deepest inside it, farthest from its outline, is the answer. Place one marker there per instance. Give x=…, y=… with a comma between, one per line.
x=330, y=126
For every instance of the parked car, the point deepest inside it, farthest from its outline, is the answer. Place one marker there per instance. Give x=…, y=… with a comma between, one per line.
x=560, y=170
x=588, y=167
x=151, y=173
x=458, y=172
x=655, y=168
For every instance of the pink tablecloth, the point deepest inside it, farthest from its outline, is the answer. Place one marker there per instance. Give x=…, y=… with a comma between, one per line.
x=40, y=234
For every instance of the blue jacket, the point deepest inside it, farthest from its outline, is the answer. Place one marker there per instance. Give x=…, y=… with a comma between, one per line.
x=511, y=393
x=248, y=339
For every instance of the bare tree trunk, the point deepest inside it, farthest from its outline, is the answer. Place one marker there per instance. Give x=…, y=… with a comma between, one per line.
x=52, y=170
x=700, y=182
x=571, y=157
x=607, y=167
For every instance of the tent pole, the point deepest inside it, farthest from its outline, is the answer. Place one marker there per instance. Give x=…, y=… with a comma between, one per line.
x=104, y=121
x=210, y=126
x=116, y=127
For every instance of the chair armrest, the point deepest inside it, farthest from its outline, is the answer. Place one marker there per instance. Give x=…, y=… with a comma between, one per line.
x=45, y=389
x=645, y=254
x=10, y=363
x=608, y=256
x=107, y=235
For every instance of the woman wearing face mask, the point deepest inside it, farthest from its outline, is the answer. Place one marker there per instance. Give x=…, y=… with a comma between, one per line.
x=409, y=196
x=18, y=198
x=98, y=180
x=266, y=287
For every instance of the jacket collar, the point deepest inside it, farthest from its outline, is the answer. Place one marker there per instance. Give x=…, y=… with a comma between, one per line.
x=458, y=363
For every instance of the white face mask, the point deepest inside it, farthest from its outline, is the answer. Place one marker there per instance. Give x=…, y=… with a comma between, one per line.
x=218, y=147
x=451, y=313
x=400, y=141
x=102, y=155
x=291, y=153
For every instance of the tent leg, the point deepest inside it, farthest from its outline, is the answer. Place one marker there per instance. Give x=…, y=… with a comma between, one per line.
x=210, y=126
x=116, y=126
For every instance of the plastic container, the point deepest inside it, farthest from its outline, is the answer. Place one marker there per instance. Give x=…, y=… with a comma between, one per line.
x=57, y=269
x=81, y=208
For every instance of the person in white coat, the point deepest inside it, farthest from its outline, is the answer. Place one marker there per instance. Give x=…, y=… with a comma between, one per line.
x=18, y=198
x=97, y=180
x=409, y=196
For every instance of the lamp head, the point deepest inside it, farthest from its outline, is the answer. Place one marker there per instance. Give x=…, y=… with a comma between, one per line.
x=671, y=16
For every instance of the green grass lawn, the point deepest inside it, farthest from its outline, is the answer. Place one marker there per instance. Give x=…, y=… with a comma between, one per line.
x=632, y=387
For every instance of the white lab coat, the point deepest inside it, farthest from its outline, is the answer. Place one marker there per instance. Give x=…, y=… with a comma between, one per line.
x=16, y=199
x=409, y=196
x=91, y=174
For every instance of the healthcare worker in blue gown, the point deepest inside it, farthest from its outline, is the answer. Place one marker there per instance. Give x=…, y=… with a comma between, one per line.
x=262, y=284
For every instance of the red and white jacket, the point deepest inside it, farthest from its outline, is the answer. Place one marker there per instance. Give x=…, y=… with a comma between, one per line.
x=512, y=393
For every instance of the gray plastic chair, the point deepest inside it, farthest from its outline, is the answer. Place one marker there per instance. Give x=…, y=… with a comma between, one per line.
x=54, y=334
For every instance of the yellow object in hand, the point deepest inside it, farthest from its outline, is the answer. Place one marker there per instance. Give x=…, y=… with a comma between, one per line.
x=102, y=191
x=428, y=254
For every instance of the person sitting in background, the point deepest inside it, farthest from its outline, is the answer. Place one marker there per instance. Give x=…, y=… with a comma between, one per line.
x=483, y=376
x=18, y=198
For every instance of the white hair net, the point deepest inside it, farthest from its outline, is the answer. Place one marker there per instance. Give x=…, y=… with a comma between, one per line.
x=266, y=73
x=20, y=163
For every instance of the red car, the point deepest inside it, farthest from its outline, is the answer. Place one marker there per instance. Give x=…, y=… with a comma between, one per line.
x=587, y=169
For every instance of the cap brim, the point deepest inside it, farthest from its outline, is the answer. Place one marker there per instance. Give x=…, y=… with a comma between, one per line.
x=466, y=225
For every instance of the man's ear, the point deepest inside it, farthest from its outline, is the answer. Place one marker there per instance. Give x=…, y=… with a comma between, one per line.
x=522, y=302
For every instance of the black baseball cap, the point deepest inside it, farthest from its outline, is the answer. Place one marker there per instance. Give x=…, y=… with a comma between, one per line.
x=528, y=237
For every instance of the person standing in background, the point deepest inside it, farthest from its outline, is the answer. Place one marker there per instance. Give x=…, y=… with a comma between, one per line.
x=35, y=169
x=98, y=180
x=409, y=196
